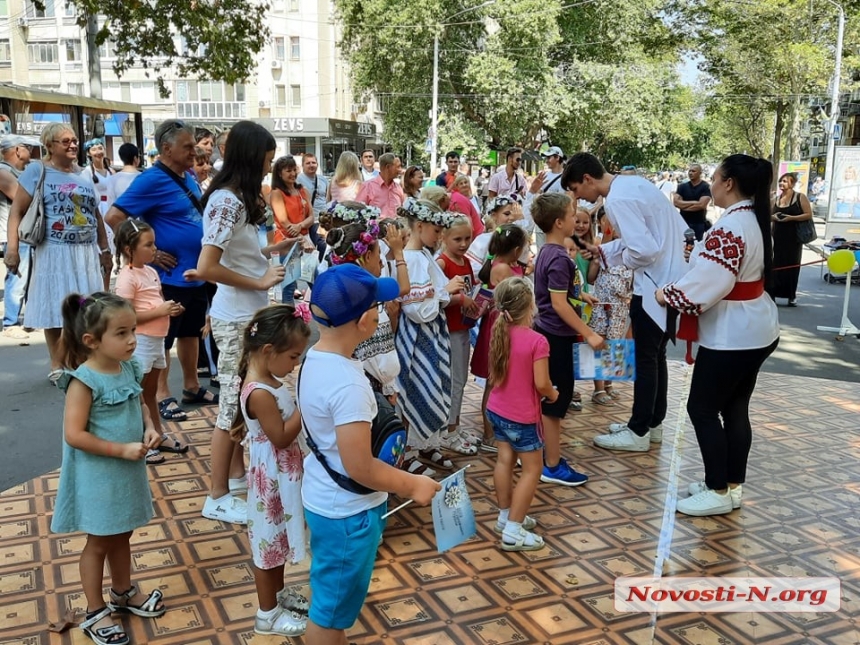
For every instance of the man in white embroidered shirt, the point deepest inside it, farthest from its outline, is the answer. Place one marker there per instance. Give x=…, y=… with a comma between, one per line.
x=652, y=244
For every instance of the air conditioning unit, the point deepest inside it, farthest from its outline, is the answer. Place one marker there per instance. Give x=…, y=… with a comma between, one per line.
x=23, y=23
x=276, y=64
x=265, y=104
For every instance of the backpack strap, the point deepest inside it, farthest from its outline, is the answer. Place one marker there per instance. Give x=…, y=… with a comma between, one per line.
x=345, y=482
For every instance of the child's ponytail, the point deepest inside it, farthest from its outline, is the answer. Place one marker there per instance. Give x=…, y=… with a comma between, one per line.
x=513, y=300
x=85, y=315
x=506, y=238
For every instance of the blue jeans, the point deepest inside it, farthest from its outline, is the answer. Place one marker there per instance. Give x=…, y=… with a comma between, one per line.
x=14, y=287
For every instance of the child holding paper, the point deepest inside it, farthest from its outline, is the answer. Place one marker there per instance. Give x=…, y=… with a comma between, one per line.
x=519, y=372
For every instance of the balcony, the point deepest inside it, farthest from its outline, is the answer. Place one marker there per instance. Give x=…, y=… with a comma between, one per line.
x=211, y=110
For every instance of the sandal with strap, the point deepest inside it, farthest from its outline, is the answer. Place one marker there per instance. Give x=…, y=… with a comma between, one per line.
x=610, y=391
x=111, y=635
x=171, y=414
x=454, y=441
x=148, y=609
x=601, y=397
x=190, y=396
x=294, y=601
x=488, y=444
x=169, y=444
x=154, y=457
x=436, y=459
x=415, y=467
x=523, y=541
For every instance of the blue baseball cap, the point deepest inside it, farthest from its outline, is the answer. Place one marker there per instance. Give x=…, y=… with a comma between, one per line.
x=344, y=292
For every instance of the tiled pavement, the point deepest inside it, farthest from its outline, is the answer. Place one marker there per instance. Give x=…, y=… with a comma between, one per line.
x=799, y=517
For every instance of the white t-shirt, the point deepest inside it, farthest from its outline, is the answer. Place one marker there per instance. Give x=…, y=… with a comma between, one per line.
x=333, y=391
x=118, y=184
x=225, y=225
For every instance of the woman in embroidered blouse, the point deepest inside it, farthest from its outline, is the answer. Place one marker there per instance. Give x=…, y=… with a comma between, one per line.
x=738, y=328
x=789, y=208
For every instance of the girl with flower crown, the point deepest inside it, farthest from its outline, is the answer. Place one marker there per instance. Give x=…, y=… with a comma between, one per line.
x=361, y=243
x=422, y=340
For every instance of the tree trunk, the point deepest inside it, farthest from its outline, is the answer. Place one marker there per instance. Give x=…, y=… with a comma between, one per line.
x=777, y=137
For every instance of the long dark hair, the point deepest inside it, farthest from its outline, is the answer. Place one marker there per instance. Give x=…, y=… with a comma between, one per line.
x=287, y=162
x=243, y=172
x=505, y=239
x=753, y=178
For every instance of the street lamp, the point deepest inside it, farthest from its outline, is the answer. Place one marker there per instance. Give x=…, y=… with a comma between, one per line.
x=834, y=102
x=434, y=113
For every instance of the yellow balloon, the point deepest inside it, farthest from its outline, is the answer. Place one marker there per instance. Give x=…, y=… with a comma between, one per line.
x=841, y=262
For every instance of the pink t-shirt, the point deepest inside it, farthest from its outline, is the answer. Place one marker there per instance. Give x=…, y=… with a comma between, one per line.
x=516, y=399
x=142, y=288
x=463, y=205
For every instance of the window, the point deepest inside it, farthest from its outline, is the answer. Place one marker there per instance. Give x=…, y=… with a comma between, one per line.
x=143, y=92
x=43, y=53
x=280, y=52
x=4, y=7
x=34, y=12
x=5, y=53
x=295, y=96
x=107, y=49
x=240, y=92
x=69, y=10
x=211, y=91
x=278, y=6
x=111, y=91
x=75, y=88
x=73, y=51
x=294, y=5
x=281, y=95
x=294, y=48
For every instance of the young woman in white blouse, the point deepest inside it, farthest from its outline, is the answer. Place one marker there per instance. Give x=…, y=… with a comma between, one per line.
x=738, y=328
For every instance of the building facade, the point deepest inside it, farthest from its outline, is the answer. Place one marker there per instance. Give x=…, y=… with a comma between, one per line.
x=300, y=89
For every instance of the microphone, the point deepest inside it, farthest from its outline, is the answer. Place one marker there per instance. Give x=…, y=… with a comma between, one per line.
x=689, y=239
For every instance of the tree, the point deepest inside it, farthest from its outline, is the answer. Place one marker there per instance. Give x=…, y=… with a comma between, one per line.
x=221, y=37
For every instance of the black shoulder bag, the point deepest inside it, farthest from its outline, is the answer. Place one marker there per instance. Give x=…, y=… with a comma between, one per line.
x=179, y=182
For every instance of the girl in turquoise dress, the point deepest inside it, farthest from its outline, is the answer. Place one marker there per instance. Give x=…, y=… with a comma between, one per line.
x=103, y=489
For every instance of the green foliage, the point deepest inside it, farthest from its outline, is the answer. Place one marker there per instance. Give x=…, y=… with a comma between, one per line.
x=223, y=37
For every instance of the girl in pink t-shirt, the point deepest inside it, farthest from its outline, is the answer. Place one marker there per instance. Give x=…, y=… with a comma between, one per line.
x=139, y=284
x=519, y=374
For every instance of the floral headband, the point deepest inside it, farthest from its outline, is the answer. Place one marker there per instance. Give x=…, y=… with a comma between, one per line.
x=426, y=214
x=360, y=247
x=347, y=214
x=502, y=201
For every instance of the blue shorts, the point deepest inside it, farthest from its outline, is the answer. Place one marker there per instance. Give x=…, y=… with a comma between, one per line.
x=344, y=551
x=523, y=437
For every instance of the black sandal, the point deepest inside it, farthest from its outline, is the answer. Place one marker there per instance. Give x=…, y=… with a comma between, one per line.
x=147, y=609
x=169, y=444
x=189, y=396
x=171, y=414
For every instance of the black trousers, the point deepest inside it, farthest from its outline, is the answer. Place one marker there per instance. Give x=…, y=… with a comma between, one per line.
x=719, y=407
x=651, y=387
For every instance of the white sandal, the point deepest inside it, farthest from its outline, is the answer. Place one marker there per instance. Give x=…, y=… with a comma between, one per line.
x=147, y=609
x=525, y=541
x=283, y=623
x=454, y=441
x=112, y=635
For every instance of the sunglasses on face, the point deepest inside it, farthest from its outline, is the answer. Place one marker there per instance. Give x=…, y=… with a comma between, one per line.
x=67, y=142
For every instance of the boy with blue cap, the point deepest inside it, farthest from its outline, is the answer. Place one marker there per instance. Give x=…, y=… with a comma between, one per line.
x=338, y=406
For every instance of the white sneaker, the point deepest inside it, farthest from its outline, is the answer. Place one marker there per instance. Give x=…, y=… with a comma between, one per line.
x=283, y=623
x=656, y=431
x=238, y=485
x=230, y=509
x=707, y=502
x=624, y=440
x=737, y=492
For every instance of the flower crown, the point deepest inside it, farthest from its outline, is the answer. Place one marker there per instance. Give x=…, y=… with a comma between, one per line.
x=360, y=247
x=502, y=200
x=426, y=214
x=347, y=214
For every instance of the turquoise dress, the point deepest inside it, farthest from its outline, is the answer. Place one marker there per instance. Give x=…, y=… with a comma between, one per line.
x=105, y=495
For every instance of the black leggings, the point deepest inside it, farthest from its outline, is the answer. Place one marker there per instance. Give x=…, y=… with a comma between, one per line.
x=723, y=383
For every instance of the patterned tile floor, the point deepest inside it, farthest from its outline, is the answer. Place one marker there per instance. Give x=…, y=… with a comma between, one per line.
x=801, y=516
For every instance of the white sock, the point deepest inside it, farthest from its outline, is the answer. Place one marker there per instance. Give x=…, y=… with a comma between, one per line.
x=266, y=615
x=512, y=528
x=503, y=515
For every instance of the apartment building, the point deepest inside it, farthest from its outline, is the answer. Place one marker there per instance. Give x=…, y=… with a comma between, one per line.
x=300, y=90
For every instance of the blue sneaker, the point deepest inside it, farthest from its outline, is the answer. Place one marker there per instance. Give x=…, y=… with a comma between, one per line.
x=562, y=474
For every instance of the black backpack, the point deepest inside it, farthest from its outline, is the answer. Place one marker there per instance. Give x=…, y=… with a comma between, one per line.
x=387, y=441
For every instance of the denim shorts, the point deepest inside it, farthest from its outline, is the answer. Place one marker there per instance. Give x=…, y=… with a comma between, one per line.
x=344, y=551
x=523, y=437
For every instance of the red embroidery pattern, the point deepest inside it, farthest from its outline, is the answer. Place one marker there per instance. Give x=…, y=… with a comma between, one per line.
x=677, y=299
x=725, y=249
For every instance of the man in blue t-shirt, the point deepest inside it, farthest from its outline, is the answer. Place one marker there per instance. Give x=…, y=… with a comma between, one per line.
x=167, y=198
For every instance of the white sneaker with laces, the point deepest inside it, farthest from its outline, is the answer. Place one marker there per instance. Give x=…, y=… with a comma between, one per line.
x=239, y=485
x=625, y=440
x=656, y=431
x=707, y=502
x=737, y=492
x=230, y=509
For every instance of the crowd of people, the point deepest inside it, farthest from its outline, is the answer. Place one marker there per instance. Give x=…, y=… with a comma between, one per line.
x=414, y=288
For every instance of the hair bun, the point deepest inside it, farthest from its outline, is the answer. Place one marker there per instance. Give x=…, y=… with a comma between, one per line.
x=335, y=237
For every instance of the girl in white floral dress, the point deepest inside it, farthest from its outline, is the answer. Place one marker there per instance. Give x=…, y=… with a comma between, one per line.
x=274, y=341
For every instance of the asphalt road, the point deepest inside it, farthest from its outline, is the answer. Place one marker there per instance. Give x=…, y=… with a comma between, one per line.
x=31, y=410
